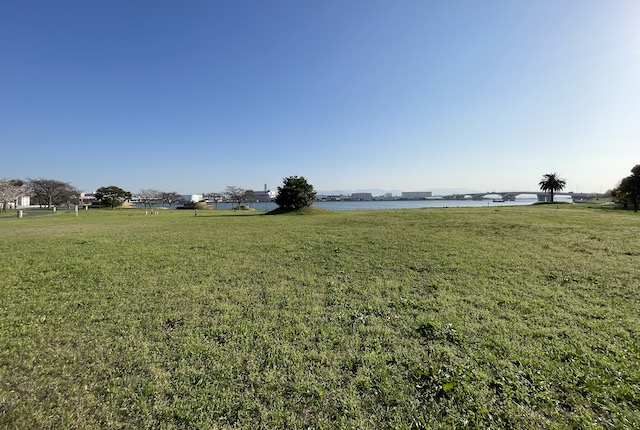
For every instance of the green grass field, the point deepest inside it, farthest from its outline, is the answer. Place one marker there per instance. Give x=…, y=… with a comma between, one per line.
x=508, y=318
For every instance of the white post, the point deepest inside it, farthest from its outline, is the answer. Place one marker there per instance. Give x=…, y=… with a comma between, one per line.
x=76, y=210
x=20, y=213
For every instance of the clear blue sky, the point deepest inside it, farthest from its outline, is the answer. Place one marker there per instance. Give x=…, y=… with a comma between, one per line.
x=192, y=96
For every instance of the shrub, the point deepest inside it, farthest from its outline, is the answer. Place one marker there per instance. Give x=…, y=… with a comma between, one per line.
x=295, y=193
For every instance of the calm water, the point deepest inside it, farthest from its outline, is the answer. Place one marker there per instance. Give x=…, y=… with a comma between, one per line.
x=395, y=204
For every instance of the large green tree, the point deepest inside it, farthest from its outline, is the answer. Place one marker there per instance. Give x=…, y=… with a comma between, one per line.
x=112, y=196
x=550, y=183
x=295, y=193
x=629, y=189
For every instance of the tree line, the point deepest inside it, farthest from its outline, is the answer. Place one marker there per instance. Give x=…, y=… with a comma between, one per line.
x=295, y=193
x=628, y=192
x=48, y=192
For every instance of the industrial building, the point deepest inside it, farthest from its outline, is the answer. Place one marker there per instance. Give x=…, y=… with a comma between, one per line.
x=416, y=195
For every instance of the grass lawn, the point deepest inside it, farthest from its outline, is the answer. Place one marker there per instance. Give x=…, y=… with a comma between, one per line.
x=515, y=317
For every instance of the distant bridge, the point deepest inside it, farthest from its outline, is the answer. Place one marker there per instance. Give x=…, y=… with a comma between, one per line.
x=511, y=195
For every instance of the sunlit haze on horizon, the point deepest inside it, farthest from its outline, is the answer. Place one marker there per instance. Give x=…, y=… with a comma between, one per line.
x=353, y=95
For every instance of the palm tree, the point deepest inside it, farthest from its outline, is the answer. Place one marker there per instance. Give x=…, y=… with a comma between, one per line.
x=551, y=183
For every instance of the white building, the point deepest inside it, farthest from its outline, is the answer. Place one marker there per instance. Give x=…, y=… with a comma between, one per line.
x=192, y=197
x=87, y=197
x=265, y=196
x=20, y=202
x=23, y=201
